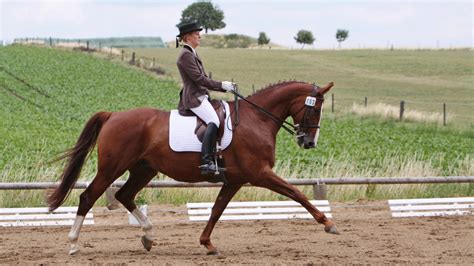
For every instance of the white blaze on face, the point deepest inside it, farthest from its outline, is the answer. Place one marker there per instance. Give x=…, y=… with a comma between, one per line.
x=316, y=136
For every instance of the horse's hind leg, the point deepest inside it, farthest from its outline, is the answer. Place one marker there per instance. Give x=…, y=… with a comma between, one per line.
x=273, y=182
x=140, y=175
x=87, y=199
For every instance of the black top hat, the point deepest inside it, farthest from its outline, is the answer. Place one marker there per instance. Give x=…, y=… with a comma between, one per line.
x=188, y=27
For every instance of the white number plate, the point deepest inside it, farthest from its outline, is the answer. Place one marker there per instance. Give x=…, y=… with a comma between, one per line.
x=310, y=101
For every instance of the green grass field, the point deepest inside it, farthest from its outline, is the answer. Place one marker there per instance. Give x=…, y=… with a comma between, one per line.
x=46, y=96
x=425, y=79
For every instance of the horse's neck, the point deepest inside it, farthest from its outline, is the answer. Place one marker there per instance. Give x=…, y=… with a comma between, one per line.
x=276, y=101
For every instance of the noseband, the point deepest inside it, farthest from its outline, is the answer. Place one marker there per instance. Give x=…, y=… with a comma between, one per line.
x=309, y=106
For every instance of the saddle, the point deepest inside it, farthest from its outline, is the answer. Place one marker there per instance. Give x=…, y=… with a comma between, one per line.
x=186, y=133
x=184, y=126
x=201, y=125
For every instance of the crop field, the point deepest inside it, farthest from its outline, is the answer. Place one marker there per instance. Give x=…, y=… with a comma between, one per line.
x=425, y=79
x=47, y=95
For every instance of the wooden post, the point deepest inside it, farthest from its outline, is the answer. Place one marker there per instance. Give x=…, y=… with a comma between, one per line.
x=402, y=109
x=319, y=192
x=210, y=74
x=332, y=102
x=132, y=62
x=444, y=114
x=122, y=53
x=50, y=41
x=365, y=102
x=87, y=45
x=100, y=46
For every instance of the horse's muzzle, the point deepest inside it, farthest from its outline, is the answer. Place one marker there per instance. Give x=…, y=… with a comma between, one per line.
x=306, y=142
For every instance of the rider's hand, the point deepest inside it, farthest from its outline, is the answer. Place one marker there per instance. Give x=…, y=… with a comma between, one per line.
x=228, y=86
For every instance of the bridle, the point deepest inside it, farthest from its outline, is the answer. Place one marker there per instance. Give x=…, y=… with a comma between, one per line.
x=309, y=108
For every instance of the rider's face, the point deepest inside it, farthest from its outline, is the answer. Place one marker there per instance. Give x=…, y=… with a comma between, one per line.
x=193, y=39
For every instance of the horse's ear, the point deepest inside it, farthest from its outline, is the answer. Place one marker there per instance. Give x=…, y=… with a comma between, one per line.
x=326, y=88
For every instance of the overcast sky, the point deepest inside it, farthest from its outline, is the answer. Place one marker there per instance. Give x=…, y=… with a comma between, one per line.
x=371, y=24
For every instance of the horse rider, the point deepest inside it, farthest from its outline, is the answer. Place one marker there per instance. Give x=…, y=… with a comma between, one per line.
x=194, y=96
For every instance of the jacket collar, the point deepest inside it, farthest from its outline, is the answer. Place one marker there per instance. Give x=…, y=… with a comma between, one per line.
x=189, y=48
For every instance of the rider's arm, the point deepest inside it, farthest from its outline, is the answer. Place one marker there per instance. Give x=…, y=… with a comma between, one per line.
x=189, y=65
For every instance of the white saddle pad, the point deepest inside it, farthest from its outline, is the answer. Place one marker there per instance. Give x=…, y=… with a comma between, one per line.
x=182, y=137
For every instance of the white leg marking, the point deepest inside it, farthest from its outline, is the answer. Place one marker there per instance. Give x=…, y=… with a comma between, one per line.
x=74, y=234
x=144, y=223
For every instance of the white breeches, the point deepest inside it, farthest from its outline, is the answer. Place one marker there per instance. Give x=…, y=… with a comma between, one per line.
x=206, y=112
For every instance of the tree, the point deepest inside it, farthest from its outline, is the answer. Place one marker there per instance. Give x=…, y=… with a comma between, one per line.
x=210, y=17
x=304, y=37
x=263, y=39
x=341, y=35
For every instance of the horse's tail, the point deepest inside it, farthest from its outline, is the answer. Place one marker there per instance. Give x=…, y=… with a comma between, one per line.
x=77, y=156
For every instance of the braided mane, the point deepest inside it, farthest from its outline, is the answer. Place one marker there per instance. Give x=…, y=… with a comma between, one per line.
x=277, y=85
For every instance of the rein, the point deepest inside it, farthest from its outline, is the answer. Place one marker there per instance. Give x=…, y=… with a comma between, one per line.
x=289, y=127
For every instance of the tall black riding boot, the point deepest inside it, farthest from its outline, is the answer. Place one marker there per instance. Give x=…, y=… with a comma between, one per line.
x=208, y=165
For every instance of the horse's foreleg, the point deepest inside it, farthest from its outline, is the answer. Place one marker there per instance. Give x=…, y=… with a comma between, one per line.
x=225, y=195
x=277, y=184
x=140, y=175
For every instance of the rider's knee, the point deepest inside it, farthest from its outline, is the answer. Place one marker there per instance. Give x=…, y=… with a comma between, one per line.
x=216, y=122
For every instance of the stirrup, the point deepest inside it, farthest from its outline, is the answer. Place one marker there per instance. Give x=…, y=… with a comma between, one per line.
x=215, y=174
x=211, y=168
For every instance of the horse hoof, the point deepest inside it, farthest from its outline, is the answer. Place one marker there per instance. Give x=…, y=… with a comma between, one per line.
x=74, y=248
x=147, y=243
x=214, y=252
x=73, y=251
x=332, y=230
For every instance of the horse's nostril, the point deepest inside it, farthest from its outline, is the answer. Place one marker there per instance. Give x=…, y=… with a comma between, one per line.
x=311, y=144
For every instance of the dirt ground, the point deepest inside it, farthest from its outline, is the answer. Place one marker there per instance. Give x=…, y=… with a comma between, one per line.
x=369, y=235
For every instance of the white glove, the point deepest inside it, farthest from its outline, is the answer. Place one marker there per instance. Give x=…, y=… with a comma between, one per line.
x=228, y=86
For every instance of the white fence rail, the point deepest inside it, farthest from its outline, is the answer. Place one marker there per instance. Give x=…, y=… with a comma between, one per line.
x=296, y=182
x=317, y=183
x=257, y=210
x=431, y=207
x=41, y=217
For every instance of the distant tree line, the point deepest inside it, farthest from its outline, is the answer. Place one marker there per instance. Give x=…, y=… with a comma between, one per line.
x=210, y=17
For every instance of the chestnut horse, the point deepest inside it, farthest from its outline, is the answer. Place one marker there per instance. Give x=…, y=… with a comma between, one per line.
x=137, y=141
